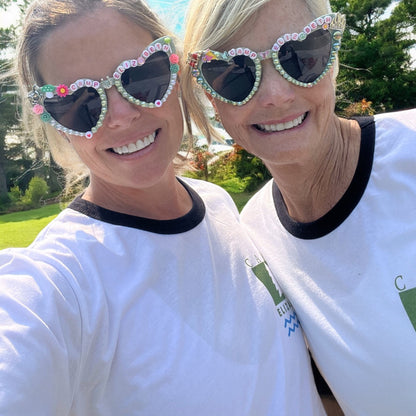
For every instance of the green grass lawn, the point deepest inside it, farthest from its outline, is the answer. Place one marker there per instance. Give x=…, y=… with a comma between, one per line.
x=19, y=229
x=241, y=199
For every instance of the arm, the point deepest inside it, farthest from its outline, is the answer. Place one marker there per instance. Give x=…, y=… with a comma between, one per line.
x=40, y=338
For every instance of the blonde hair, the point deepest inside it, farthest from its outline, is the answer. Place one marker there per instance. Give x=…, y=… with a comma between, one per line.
x=210, y=24
x=42, y=17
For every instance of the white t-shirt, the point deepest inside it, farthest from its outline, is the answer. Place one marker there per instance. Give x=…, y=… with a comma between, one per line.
x=108, y=314
x=351, y=275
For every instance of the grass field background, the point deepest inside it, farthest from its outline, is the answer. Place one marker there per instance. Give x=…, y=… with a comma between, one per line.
x=19, y=229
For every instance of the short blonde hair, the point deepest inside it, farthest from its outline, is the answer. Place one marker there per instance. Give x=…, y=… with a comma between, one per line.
x=42, y=17
x=210, y=24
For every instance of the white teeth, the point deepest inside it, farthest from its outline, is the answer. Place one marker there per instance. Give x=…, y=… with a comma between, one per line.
x=140, y=145
x=282, y=126
x=135, y=147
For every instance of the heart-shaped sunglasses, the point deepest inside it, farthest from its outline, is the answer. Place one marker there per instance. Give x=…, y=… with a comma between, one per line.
x=80, y=108
x=302, y=58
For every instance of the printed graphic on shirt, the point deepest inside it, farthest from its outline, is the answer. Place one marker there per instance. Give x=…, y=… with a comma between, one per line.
x=283, y=306
x=408, y=298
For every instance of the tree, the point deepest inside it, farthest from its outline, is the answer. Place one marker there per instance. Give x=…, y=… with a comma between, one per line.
x=20, y=159
x=375, y=54
x=8, y=119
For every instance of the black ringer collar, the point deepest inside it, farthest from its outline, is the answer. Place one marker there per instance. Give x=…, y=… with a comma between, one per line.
x=337, y=215
x=175, y=226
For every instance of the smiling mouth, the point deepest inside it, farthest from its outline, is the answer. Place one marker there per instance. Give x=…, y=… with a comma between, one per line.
x=271, y=128
x=136, y=146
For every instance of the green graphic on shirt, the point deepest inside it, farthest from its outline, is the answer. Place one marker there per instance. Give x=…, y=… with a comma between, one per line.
x=263, y=275
x=408, y=298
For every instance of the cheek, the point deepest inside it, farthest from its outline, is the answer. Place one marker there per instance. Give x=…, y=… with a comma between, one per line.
x=86, y=149
x=172, y=109
x=81, y=148
x=232, y=118
x=323, y=96
x=324, y=105
x=175, y=116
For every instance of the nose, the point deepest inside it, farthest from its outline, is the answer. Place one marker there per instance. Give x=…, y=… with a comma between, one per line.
x=120, y=112
x=274, y=90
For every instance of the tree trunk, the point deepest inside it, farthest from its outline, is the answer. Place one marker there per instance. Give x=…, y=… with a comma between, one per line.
x=3, y=181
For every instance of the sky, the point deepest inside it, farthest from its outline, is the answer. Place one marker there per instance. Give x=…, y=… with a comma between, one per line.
x=171, y=11
x=8, y=17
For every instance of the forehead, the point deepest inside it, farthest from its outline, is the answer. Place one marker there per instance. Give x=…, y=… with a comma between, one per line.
x=90, y=46
x=272, y=20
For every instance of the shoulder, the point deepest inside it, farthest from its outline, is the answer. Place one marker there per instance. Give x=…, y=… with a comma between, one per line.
x=42, y=269
x=259, y=202
x=62, y=227
x=396, y=134
x=404, y=120
x=52, y=262
x=38, y=291
x=211, y=193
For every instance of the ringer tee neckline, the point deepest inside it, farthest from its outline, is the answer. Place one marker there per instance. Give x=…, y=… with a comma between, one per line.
x=340, y=212
x=175, y=226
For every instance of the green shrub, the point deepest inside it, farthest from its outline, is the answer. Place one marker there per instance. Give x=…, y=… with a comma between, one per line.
x=236, y=171
x=36, y=190
x=233, y=185
x=15, y=194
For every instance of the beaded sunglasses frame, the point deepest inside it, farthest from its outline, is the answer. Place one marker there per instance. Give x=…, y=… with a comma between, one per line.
x=38, y=94
x=333, y=22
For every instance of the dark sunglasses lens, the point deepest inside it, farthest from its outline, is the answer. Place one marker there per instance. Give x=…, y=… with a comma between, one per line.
x=150, y=81
x=306, y=60
x=233, y=80
x=79, y=111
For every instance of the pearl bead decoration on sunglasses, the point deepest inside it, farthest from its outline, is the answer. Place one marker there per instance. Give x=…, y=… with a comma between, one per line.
x=333, y=23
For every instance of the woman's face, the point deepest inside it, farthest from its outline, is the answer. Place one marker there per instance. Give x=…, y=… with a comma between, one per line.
x=263, y=125
x=91, y=47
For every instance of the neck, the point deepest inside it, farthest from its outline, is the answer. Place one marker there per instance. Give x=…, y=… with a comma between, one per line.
x=165, y=200
x=312, y=187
